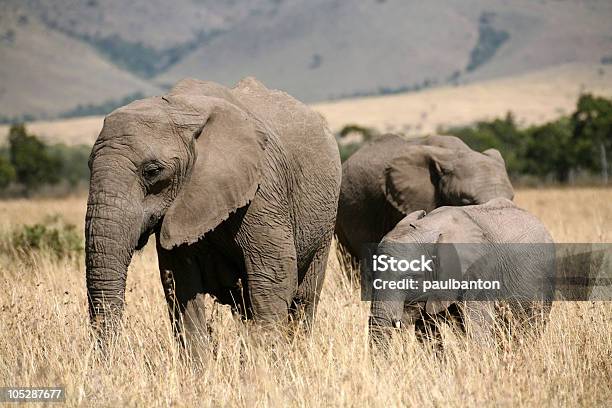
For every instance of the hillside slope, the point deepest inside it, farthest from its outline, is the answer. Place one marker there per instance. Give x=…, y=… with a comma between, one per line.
x=534, y=98
x=319, y=49
x=57, y=55
x=45, y=72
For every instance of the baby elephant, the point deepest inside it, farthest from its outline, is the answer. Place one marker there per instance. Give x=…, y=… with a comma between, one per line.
x=479, y=264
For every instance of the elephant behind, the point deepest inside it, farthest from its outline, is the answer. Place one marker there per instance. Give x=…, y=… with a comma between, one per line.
x=493, y=241
x=239, y=187
x=390, y=177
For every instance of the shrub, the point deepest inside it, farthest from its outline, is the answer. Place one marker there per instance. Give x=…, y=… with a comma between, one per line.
x=30, y=157
x=74, y=160
x=347, y=145
x=579, y=144
x=550, y=150
x=53, y=235
x=347, y=150
x=7, y=173
x=591, y=126
x=32, y=164
x=366, y=133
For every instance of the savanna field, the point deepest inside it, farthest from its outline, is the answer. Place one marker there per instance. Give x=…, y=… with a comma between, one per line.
x=45, y=340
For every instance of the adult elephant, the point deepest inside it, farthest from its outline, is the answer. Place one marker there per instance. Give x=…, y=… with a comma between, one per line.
x=240, y=187
x=390, y=177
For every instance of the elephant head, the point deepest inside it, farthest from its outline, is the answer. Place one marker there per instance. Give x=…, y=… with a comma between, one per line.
x=413, y=237
x=403, y=242
x=451, y=176
x=175, y=165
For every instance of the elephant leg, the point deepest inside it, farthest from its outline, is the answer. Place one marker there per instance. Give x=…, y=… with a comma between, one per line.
x=479, y=321
x=427, y=331
x=271, y=271
x=184, y=292
x=304, y=305
x=412, y=313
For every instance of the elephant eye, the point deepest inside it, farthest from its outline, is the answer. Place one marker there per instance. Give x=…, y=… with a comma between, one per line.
x=151, y=170
x=466, y=201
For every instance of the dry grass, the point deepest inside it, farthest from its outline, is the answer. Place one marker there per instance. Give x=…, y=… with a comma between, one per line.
x=44, y=339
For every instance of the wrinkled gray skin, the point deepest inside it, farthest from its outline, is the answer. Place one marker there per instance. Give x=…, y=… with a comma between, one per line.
x=240, y=188
x=489, y=225
x=390, y=177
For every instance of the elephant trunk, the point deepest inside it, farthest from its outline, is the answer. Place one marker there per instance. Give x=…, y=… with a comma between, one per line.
x=111, y=233
x=387, y=308
x=385, y=317
x=489, y=189
x=387, y=305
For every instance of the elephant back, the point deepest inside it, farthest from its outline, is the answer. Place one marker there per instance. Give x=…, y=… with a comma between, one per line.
x=302, y=131
x=510, y=223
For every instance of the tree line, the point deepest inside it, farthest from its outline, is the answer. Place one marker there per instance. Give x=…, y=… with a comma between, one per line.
x=27, y=164
x=574, y=147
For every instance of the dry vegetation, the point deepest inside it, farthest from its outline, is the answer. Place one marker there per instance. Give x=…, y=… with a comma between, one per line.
x=44, y=338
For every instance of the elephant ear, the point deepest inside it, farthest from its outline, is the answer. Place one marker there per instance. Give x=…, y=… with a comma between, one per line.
x=458, y=250
x=495, y=154
x=229, y=147
x=409, y=180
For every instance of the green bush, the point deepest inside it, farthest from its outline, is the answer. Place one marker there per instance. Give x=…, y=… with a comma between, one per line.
x=549, y=151
x=581, y=143
x=366, y=133
x=74, y=168
x=591, y=126
x=53, y=235
x=30, y=157
x=32, y=164
x=345, y=148
x=7, y=173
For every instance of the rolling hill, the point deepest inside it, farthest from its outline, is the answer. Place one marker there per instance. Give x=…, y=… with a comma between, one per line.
x=57, y=56
x=534, y=98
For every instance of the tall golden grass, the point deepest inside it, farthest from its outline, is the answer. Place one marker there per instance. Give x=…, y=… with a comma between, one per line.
x=44, y=338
